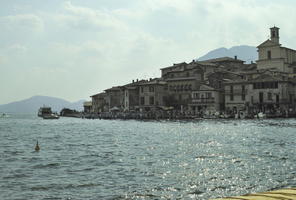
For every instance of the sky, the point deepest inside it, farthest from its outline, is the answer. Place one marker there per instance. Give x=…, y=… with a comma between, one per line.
x=74, y=49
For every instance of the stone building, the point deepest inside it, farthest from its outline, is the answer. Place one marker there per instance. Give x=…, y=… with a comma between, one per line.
x=99, y=102
x=115, y=98
x=181, y=80
x=265, y=93
x=271, y=54
x=152, y=94
x=268, y=88
x=207, y=98
x=87, y=106
x=131, y=95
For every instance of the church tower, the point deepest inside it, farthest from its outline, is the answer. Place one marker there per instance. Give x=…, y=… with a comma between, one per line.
x=274, y=35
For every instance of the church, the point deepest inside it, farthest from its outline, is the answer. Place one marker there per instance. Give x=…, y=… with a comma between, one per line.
x=273, y=56
x=271, y=87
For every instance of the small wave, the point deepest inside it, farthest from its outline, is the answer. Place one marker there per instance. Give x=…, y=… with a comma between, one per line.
x=50, y=165
x=219, y=188
x=40, y=188
x=81, y=170
x=15, y=176
x=196, y=192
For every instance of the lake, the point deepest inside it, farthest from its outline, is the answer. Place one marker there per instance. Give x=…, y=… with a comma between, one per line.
x=117, y=159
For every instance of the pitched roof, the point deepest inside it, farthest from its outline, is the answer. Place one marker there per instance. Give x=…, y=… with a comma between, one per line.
x=268, y=43
x=116, y=88
x=175, y=65
x=221, y=59
x=99, y=94
x=206, y=87
x=156, y=81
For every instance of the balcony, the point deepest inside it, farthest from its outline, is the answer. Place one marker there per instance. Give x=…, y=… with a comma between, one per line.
x=236, y=92
x=204, y=100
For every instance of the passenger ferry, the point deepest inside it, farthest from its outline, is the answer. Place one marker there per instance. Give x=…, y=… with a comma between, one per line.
x=46, y=113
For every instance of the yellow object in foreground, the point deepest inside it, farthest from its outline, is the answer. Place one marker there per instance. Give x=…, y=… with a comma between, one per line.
x=284, y=194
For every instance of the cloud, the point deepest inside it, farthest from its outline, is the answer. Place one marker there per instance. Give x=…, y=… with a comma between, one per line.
x=17, y=48
x=28, y=22
x=85, y=46
x=83, y=18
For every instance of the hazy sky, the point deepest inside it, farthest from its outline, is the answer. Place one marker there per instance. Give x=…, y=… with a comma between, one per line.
x=73, y=49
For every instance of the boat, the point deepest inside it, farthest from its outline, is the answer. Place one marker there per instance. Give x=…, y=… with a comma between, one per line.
x=46, y=113
x=51, y=116
x=260, y=115
x=4, y=115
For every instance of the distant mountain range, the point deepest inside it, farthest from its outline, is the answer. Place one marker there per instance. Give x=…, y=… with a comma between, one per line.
x=244, y=52
x=32, y=105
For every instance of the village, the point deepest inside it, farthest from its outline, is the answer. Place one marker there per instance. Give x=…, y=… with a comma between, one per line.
x=217, y=88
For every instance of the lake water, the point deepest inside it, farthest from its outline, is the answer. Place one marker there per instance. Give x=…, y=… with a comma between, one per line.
x=114, y=159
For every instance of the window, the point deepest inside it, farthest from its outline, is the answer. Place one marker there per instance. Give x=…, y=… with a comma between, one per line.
x=151, y=100
x=243, y=93
x=208, y=95
x=189, y=87
x=268, y=54
x=231, y=89
x=269, y=96
x=142, y=89
x=265, y=85
x=151, y=89
x=243, y=96
x=231, y=93
x=219, y=84
x=142, y=100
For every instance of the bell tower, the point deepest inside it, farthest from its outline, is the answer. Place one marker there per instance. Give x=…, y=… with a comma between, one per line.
x=274, y=34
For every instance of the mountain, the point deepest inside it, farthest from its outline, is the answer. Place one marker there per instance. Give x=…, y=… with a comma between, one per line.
x=244, y=52
x=32, y=105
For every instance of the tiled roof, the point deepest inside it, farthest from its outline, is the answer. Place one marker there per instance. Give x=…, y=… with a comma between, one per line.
x=222, y=59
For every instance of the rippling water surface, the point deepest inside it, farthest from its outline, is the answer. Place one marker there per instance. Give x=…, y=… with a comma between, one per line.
x=113, y=159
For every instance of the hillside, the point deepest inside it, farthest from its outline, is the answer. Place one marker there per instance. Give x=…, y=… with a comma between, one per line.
x=32, y=105
x=246, y=53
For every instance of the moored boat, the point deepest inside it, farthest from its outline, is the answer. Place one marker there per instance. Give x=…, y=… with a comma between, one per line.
x=51, y=116
x=46, y=113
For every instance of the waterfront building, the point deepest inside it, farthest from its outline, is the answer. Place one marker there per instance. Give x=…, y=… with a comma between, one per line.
x=99, y=102
x=268, y=88
x=181, y=80
x=131, y=95
x=271, y=54
x=207, y=99
x=219, y=84
x=266, y=93
x=87, y=106
x=152, y=94
x=115, y=98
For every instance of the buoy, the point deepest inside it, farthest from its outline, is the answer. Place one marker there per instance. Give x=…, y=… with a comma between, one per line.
x=37, y=148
